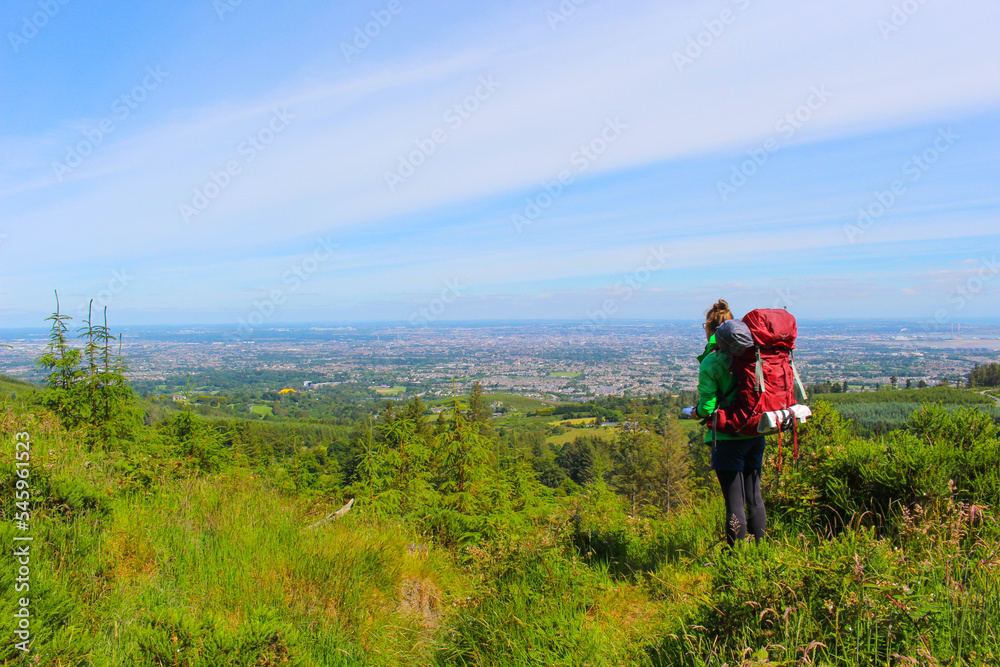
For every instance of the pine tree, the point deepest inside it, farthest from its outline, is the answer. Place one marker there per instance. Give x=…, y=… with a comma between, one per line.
x=414, y=413
x=632, y=454
x=465, y=480
x=62, y=362
x=478, y=410
x=59, y=358
x=577, y=457
x=671, y=485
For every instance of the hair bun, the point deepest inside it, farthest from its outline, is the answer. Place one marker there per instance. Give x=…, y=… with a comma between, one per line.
x=721, y=305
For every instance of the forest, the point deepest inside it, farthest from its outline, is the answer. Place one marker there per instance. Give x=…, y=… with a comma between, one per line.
x=393, y=534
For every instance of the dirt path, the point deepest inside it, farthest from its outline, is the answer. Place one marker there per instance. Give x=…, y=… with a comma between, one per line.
x=988, y=396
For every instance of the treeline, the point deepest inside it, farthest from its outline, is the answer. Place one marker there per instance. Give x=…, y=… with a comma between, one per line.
x=237, y=379
x=879, y=412
x=939, y=394
x=612, y=408
x=460, y=481
x=872, y=419
x=984, y=376
x=339, y=404
x=827, y=388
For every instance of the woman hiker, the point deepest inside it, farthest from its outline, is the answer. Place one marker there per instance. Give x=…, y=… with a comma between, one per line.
x=736, y=459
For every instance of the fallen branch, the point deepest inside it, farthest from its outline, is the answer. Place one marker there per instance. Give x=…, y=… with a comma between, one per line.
x=333, y=515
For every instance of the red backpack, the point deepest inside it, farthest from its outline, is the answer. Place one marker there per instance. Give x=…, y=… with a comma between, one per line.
x=766, y=379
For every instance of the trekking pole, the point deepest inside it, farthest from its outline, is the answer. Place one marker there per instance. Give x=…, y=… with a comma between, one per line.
x=715, y=421
x=779, y=447
x=795, y=439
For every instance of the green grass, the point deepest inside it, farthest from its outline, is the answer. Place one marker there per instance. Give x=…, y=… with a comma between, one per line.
x=692, y=427
x=259, y=409
x=577, y=422
x=875, y=548
x=572, y=434
x=565, y=374
x=518, y=420
x=515, y=401
x=212, y=570
x=398, y=390
x=12, y=388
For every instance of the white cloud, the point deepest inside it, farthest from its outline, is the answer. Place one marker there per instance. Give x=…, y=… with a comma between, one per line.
x=326, y=170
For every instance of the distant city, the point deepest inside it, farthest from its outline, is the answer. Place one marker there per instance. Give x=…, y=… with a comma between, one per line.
x=552, y=360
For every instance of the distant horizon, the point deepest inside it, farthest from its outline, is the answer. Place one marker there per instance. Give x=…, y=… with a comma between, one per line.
x=445, y=324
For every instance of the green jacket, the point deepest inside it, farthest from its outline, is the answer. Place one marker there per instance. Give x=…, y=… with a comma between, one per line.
x=716, y=387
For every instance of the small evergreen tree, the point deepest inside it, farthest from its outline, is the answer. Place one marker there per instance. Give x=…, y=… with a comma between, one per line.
x=62, y=363
x=95, y=395
x=671, y=484
x=478, y=410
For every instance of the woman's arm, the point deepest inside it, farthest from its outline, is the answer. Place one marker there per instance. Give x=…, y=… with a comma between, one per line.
x=708, y=389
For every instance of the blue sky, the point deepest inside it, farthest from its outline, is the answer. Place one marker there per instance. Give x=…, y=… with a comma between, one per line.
x=267, y=162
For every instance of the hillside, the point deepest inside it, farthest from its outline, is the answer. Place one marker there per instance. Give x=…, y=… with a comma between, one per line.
x=947, y=395
x=174, y=548
x=880, y=412
x=12, y=388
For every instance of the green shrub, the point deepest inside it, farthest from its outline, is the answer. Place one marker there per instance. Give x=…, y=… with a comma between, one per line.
x=840, y=478
x=187, y=639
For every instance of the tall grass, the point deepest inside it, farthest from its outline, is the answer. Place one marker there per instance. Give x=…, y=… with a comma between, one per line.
x=879, y=552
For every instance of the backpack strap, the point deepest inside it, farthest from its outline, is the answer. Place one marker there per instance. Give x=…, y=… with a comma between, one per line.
x=800, y=391
x=758, y=373
x=795, y=438
x=715, y=422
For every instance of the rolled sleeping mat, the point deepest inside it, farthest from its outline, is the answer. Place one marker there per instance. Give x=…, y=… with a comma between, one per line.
x=771, y=421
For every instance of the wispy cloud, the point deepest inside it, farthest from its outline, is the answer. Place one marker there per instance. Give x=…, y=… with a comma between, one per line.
x=325, y=173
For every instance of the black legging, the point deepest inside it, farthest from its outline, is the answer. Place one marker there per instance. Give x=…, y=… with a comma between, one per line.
x=742, y=487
